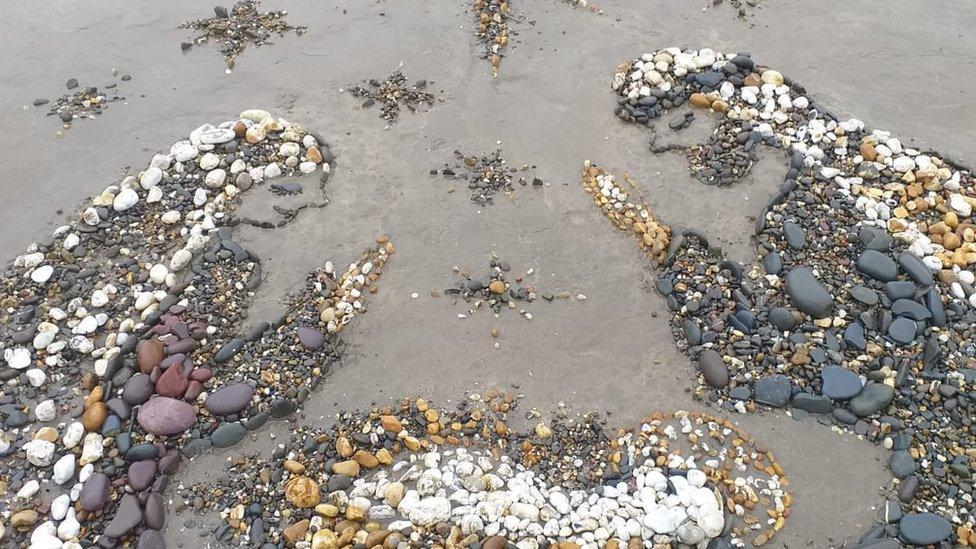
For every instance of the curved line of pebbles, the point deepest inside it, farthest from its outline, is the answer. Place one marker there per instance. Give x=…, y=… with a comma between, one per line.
x=118, y=341
x=417, y=476
x=861, y=303
x=492, y=29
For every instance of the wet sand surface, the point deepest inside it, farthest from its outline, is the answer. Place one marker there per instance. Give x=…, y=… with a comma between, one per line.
x=551, y=108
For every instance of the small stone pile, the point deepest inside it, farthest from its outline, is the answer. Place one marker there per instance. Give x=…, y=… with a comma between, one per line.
x=393, y=92
x=487, y=175
x=494, y=291
x=742, y=8
x=424, y=477
x=244, y=24
x=119, y=346
x=80, y=102
x=859, y=305
x=492, y=28
x=653, y=236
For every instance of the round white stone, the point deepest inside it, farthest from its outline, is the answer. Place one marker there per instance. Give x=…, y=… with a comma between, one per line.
x=17, y=358
x=151, y=177
x=215, y=178
x=42, y=274
x=126, y=199
x=181, y=259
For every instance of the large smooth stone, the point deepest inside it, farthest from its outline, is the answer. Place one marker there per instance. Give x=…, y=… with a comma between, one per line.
x=902, y=330
x=137, y=389
x=228, y=435
x=713, y=368
x=141, y=474
x=873, y=398
x=150, y=352
x=877, y=266
x=839, y=383
x=924, y=528
x=166, y=416
x=151, y=539
x=773, y=390
x=915, y=269
x=901, y=464
x=808, y=294
x=95, y=492
x=229, y=399
x=310, y=338
x=127, y=517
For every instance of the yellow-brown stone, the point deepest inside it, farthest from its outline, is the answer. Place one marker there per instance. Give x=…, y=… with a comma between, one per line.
x=700, y=100
x=294, y=467
x=349, y=468
x=302, y=492
x=391, y=424
x=344, y=447
x=94, y=416
x=366, y=459
x=296, y=532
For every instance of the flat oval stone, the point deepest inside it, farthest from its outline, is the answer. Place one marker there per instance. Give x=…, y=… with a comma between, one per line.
x=773, y=390
x=916, y=270
x=902, y=330
x=151, y=539
x=691, y=331
x=924, y=528
x=137, y=389
x=773, y=263
x=808, y=294
x=864, y=294
x=901, y=464
x=95, y=492
x=141, y=474
x=782, y=319
x=228, y=435
x=872, y=399
x=310, y=338
x=150, y=353
x=713, y=368
x=877, y=266
x=228, y=350
x=229, y=399
x=912, y=309
x=166, y=416
x=127, y=517
x=796, y=237
x=155, y=511
x=900, y=289
x=839, y=383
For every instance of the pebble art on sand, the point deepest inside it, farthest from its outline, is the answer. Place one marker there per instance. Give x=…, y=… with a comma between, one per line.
x=418, y=476
x=859, y=305
x=126, y=343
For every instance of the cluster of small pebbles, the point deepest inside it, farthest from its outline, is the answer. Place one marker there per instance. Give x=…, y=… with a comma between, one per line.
x=393, y=92
x=743, y=8
x=125, y=340
x=417, y=476
x=860, y=304
x=495, y=291
x=234, y=30
x=486, y=175
x=492, y=29
x=81, y=102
